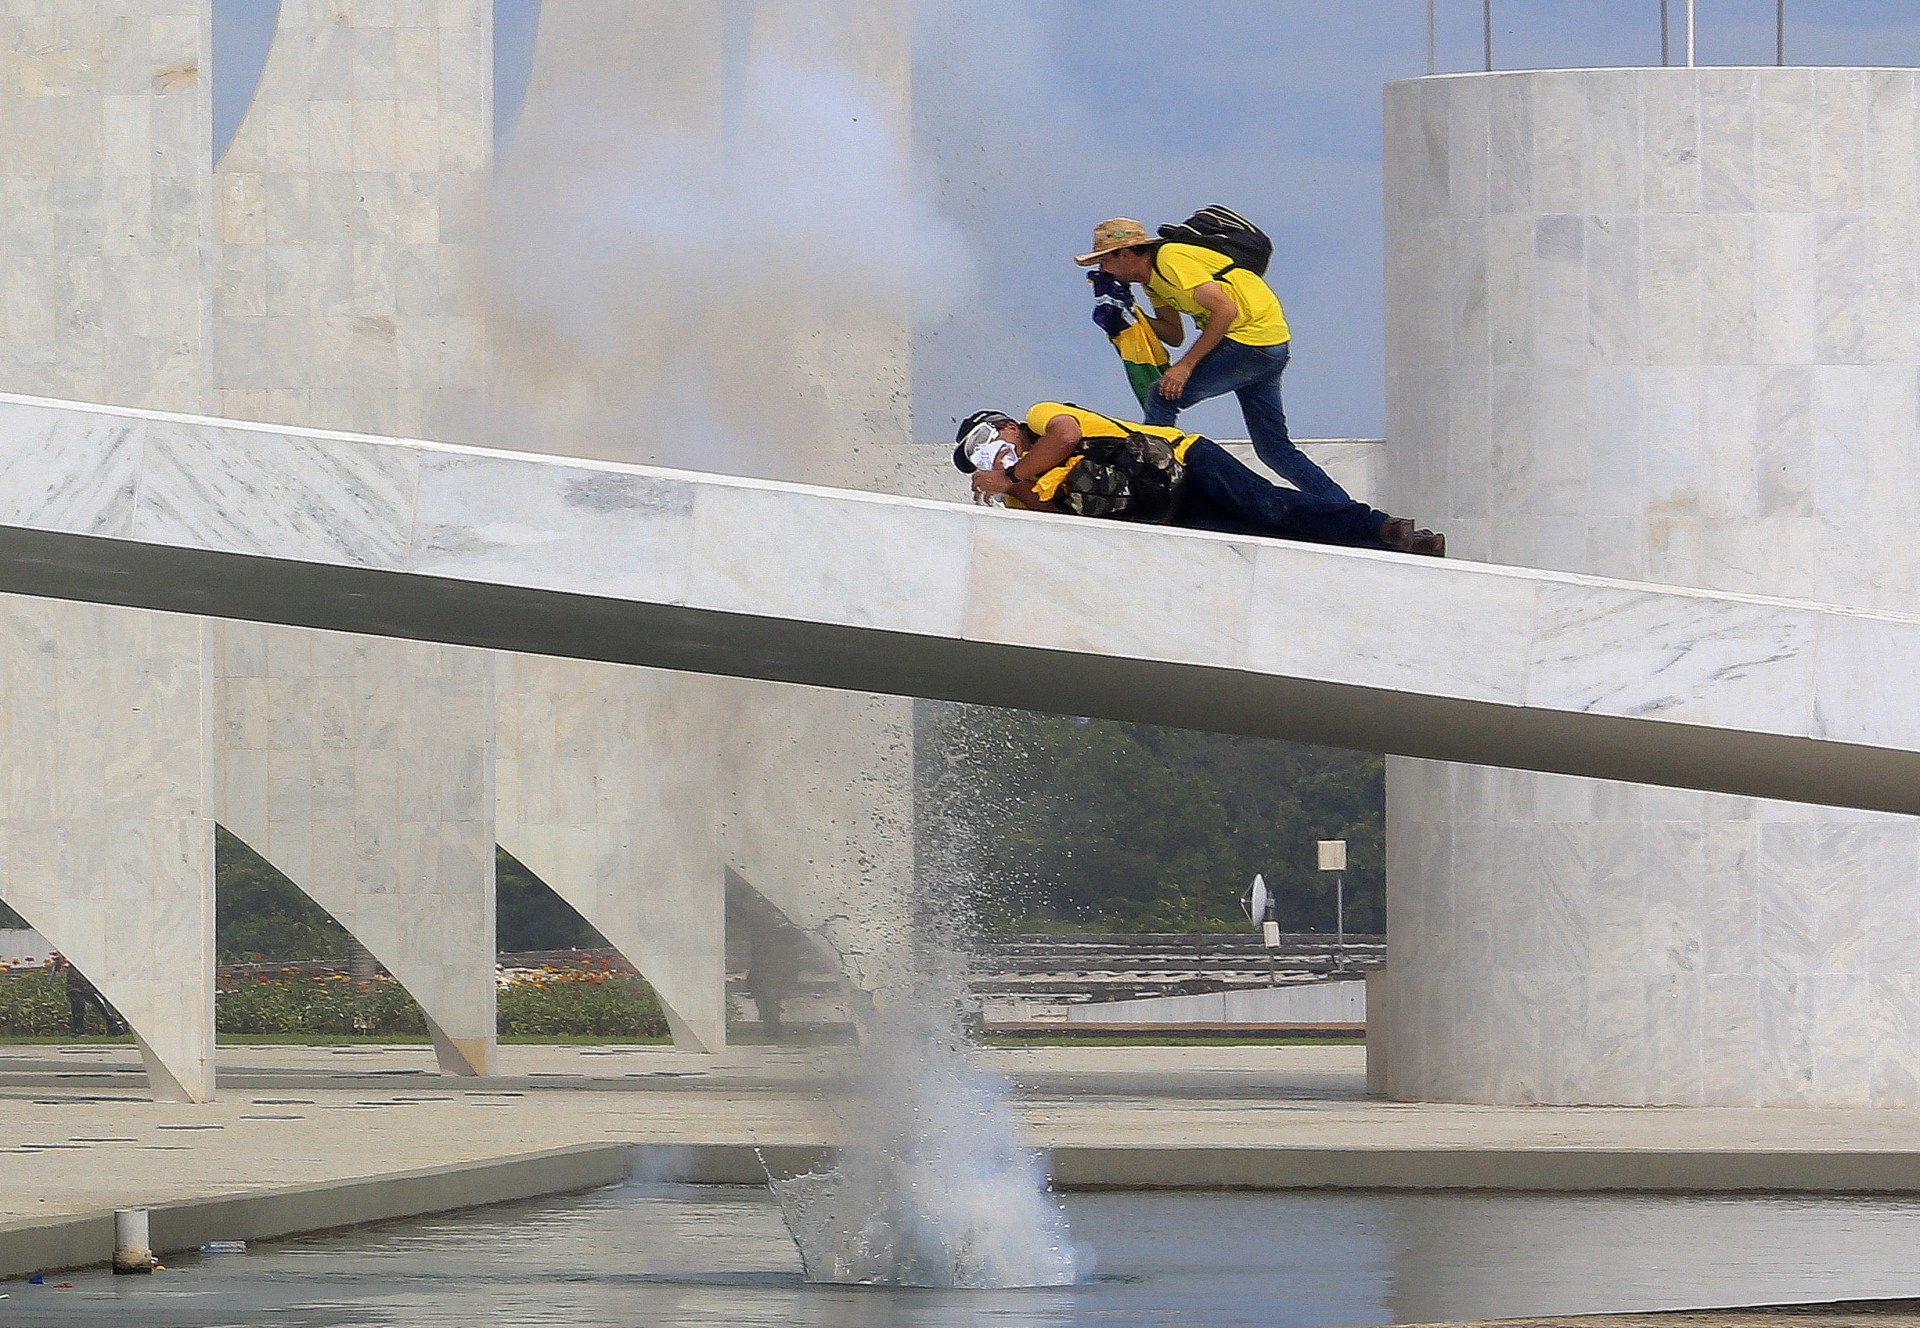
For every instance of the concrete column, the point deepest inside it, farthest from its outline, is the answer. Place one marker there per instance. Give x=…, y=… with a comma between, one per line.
x=105, y=243
x=106, y=845
x=363, y=769
x=819, y=819
x=703, y=336
x=608, y=792
x=106, y=118
x=1657, y=324
x=346, y=216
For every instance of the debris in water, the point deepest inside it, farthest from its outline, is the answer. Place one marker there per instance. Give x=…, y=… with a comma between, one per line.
x=931, y=1190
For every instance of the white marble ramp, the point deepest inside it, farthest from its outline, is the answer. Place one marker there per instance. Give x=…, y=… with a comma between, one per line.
x=750, y=578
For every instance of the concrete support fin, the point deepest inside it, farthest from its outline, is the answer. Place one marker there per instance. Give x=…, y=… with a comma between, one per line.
x=106, y=846
x=819, y=818
x=362, y=768
x=606, y=779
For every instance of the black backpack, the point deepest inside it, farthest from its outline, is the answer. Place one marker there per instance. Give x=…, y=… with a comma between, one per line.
x=1224, y=231
x=1131, y=477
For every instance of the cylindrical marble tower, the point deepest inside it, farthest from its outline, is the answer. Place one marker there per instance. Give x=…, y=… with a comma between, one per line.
x=1659, y=324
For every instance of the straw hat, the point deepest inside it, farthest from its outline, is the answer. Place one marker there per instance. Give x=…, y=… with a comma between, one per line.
x=1114, y=233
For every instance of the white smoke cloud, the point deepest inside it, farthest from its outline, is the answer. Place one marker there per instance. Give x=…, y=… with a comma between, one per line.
x=716, y=279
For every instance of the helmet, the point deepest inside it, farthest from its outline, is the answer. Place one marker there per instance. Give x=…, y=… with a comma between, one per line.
x=976, y=429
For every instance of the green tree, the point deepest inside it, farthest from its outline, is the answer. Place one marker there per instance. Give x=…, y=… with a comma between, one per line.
x=258, y=914
x=1092, y=823
x=530, y=916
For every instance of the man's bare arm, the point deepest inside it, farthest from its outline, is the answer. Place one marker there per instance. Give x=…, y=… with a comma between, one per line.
x=1060, y=441
x=1052, y=449
x=1168, y=323
x=1217, y=300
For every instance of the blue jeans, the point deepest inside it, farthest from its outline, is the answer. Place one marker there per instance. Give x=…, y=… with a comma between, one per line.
x=1221, y=494
x=1251, y=373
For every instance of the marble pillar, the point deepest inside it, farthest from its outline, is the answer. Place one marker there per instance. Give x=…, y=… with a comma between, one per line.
x=309, y=280
x=106, y=228
x=819, y=819
x=608, y=791
x=347, y=201
x=346, y=207
x=106, y=225
x=363, y=769
x=756, y=373
x=106, y=832
x=1657, y=324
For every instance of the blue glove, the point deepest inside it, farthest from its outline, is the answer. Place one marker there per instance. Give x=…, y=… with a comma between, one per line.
x=1112, y=303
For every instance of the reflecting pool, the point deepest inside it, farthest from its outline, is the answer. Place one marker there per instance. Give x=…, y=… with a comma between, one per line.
x=681, y=1255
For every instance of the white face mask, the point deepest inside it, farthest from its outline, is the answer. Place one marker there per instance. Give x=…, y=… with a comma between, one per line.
x=987, y=455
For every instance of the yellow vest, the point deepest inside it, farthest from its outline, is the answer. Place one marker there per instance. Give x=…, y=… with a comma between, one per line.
x=1094, y=425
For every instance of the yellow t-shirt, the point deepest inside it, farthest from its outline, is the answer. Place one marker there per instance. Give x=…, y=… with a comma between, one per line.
x=1094, y=425
x=1181, y=269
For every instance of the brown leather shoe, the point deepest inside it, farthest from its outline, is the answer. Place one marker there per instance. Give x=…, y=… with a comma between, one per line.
x=1396, y=532
x=1430, y=543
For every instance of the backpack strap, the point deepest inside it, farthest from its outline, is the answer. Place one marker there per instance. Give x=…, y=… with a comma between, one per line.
x=1124, y=431
x=1232, y=263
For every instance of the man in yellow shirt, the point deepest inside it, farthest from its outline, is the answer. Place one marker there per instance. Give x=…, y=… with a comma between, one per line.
x=1242, y=346
x=1217, y=492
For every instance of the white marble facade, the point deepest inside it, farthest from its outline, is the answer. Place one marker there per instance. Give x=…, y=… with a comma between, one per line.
x=362, y=768
x=348, y=204
x=106, y=826
x=1658, y=324
x=316, y=277
x=105, y=200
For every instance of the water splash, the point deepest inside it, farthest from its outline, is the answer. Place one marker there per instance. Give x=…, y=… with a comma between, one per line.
x=931, y=1189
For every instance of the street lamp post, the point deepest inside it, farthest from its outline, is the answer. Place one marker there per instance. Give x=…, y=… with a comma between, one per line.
x=1333, y=858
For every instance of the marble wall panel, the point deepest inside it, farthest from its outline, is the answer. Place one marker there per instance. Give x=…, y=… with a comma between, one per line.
x=609, y=792
x=106, y=836
x=106, y=129
x=1894, y=1031
x=1470, y=417
x=1728, y=113
x=366, y=135
x=376, y=761
x=1469, y=153
x=1740, y=337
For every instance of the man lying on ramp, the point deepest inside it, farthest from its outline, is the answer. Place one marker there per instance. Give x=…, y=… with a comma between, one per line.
x=1066, y=458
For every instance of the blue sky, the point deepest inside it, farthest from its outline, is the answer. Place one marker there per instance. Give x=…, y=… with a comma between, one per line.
x=1036, y=118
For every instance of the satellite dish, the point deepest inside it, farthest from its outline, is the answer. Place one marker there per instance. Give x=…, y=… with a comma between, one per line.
x=1256, y=903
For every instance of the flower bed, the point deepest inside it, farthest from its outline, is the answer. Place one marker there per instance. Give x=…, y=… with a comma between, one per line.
x=32, y=1004
x=552, y=1002
x=596, y=1001
x=334, y=1006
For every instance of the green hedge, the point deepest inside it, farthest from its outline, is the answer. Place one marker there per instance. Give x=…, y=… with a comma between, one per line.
x=554, y=1003
x=35, y=1005
x=330, y=1005
x=581, y=1005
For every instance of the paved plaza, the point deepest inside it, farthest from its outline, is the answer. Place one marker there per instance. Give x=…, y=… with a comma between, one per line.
x=82, y=1136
